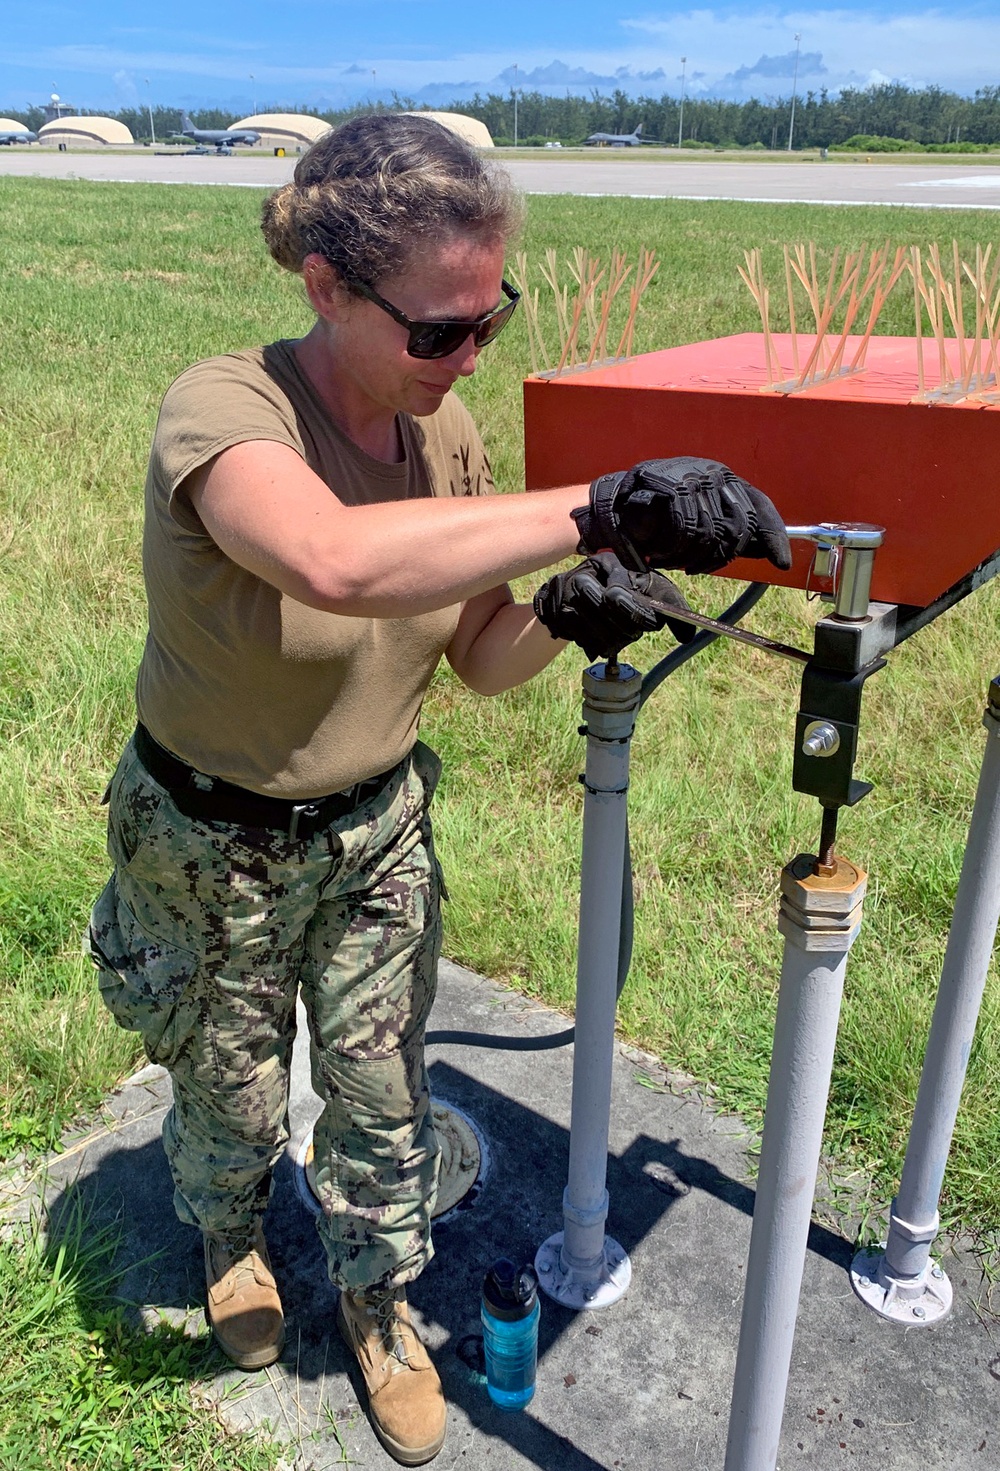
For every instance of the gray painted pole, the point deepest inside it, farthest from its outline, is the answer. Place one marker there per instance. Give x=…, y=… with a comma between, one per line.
x=901, y=1283
x=580, y=1266
x=819, y=918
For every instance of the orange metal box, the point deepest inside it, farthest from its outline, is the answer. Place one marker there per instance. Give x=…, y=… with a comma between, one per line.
x=861, y=447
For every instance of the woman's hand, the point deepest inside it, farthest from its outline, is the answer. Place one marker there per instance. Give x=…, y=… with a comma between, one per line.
x=602, y=606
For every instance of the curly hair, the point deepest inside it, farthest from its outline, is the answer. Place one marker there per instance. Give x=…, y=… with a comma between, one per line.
x=372, y=192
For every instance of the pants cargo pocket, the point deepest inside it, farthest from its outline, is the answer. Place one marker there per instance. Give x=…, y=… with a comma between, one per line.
x=134, y=802
x=143, y=980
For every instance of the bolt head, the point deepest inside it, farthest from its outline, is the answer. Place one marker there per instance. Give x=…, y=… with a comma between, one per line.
x=937, y=1272
x=545, y=1266
x=865, y=1281
x=919, y=1312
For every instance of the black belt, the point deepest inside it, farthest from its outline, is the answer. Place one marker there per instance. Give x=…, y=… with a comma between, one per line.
x=213, y=800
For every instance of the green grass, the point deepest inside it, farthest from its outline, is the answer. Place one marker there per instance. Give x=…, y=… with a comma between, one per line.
x=85, y=1387
x=108, y=292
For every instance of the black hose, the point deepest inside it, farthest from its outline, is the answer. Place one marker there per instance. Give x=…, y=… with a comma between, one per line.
x=748, y=598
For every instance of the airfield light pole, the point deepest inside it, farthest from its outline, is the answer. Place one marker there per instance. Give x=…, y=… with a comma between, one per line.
x=253, y=94
x=149, y=104
x=680, y=125
x=795, y=82
x=515, y=104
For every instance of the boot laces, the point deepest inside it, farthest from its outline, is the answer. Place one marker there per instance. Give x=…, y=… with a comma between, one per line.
x=235, y=1256
x=392, y=1328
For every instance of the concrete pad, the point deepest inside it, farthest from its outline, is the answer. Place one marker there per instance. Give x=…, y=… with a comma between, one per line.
x=643, y=1385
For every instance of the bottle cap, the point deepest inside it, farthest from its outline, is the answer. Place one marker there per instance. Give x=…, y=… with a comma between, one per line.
x=510, y=1292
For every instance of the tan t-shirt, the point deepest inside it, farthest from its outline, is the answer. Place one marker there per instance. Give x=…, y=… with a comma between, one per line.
x=237, y=678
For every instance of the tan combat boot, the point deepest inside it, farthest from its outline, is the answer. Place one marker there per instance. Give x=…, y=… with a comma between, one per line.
x=405, y=1399
x=243, y=1304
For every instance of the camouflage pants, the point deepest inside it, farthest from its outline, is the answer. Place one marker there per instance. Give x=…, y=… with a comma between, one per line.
x=204, y=936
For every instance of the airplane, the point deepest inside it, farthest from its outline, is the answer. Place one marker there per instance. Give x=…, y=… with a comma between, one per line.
x=223, y=138
x=22, y=135
x=615, y=140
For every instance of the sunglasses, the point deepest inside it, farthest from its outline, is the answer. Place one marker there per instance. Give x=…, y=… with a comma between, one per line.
x=440, y=339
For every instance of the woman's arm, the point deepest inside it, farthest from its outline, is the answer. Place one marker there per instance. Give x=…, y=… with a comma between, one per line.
x=499, y=643
x=270, y=513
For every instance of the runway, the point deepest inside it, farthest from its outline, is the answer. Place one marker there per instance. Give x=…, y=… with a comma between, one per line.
x=932, y=185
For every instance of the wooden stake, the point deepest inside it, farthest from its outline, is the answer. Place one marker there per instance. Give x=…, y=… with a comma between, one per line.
x=519, y=276
x=753, y=277
x=880, y=295
x=569, y=345
x=645, y=271
x=550, y=272
x=830, y=303
x=619, y=273
x=957, y=312
x=974, y=370
x=932, y=301
x=918, y=276
x=852, y=270
x=993, y=321
x=808, y=278
x=987, y=304
x=791, y=314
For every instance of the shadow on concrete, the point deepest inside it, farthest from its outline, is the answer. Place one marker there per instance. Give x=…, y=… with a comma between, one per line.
x=158, y=1262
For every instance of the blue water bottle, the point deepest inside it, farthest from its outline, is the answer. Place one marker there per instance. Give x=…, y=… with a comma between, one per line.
x=510, y=1313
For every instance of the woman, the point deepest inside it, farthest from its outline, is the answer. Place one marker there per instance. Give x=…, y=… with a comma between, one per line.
x=269, y=819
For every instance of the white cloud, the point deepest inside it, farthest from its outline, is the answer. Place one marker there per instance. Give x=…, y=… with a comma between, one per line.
x=729, y=52
x=952, y=49
x=126, y=87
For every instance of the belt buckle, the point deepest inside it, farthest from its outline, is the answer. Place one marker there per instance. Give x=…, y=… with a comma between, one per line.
x=300, y=809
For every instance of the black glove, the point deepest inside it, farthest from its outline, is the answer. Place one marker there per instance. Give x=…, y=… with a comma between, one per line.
x=685, y=512
x=601, y=606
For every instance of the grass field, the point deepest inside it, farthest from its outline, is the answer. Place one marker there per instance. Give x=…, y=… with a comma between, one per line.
x=108, y=291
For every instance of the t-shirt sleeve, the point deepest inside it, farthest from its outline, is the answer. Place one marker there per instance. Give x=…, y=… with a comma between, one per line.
x=210, y=407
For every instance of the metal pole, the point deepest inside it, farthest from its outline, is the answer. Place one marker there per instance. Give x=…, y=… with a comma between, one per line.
x=901, y=1283
x=795, y=83
x=819, y=917
x=680, y=125
x=515, y=104
x=580, y=1266
x=149, y=104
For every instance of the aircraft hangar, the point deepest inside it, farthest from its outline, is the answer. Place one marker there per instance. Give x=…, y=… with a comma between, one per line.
x=469, y=128
x=296, y=130
x=290, y=130
x=86, y=130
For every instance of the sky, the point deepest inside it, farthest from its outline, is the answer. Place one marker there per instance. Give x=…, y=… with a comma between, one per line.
x=261, y=54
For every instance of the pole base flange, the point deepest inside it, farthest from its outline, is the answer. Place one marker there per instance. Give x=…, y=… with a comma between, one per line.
x=917, y=1304
x=593, y=1287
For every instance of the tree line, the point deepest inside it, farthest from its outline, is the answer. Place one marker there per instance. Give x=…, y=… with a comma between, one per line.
x=929, y=116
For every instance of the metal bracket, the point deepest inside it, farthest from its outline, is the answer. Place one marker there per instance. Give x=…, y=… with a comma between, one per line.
x=917, y=1303
x=850, y=644
x=596, y=1286
x=832, y=699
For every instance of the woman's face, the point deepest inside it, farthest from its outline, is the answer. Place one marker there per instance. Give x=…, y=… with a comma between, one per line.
x=458, y=278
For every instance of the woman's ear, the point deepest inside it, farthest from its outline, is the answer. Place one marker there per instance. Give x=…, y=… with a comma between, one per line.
x=326, y=291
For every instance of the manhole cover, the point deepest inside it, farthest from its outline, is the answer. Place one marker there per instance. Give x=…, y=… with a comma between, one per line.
x=461, y=1161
